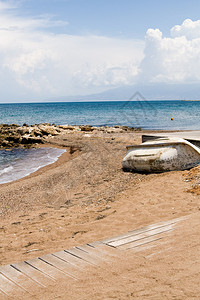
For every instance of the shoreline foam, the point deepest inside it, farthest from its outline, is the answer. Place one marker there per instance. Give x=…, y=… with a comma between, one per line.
x=24, y=162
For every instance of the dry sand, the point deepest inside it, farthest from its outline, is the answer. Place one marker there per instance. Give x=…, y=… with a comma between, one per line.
x=85, y=196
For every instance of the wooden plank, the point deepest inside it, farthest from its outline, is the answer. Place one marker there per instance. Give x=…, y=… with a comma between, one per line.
x=144, y=229
x=95, y=252
x=144, y=242
x=126, y=235
x=71, y=259
x=103, y=251
x=141, y=242
x=110, y=251
x=83, y=255
x=3, y=295
x=141, y=236
x=11, y=289
x=153, y=244
x=19, y=278
x=157, y=225
x=62, y=265
x=46, y=268
x=95, y=244
x=33, y=273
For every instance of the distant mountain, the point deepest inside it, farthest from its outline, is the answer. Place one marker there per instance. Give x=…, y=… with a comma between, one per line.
x=156, y=91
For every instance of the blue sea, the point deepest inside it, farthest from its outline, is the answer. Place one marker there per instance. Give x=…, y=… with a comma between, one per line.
x=155, y=115
x=144, y=114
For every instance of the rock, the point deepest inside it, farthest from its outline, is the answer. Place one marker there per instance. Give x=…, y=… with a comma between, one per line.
x=25, y=136
x=86, y=128
x=14, y=125
x=4, y=143
x=31, y=140
x=4, y=125
x=36, y=132
x=45, y=124
x=48, y=130
x=66, y=127
x=22, y=130
x=3, y=136
x=13, y=138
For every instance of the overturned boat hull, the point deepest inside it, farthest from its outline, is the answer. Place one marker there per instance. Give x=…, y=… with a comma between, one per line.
x=164, y=154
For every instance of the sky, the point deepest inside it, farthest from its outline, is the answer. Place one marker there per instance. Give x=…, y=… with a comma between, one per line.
x=56, y=48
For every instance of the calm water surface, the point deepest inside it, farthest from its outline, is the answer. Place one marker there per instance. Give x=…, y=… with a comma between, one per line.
x=145, y=114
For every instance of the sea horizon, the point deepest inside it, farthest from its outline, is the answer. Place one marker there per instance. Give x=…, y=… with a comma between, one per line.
x=98, y=100
x=145, y=114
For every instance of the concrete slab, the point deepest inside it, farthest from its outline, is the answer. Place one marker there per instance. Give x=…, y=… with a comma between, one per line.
x=191, y=136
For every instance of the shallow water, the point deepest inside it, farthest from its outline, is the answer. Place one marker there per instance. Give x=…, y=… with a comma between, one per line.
x=18, y=163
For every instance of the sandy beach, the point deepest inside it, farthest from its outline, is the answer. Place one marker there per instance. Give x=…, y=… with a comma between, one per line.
x=86, y=196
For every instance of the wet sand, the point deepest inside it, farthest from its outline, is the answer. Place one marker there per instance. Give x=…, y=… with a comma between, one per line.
x=84, y=197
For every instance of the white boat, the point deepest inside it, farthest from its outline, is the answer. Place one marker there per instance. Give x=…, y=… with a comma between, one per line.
x=160, y=155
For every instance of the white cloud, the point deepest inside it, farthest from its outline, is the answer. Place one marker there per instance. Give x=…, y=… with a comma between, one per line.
x=175, y=59
x=37, y=64
x=189, y=29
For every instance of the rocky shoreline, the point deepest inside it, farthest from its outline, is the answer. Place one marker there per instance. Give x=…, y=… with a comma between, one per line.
x=13, y=135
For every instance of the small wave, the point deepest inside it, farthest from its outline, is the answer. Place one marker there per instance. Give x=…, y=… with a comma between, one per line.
x=23, y=162
x=6, y=170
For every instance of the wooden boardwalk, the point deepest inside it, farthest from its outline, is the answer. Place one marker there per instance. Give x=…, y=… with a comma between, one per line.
x=20, y=279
